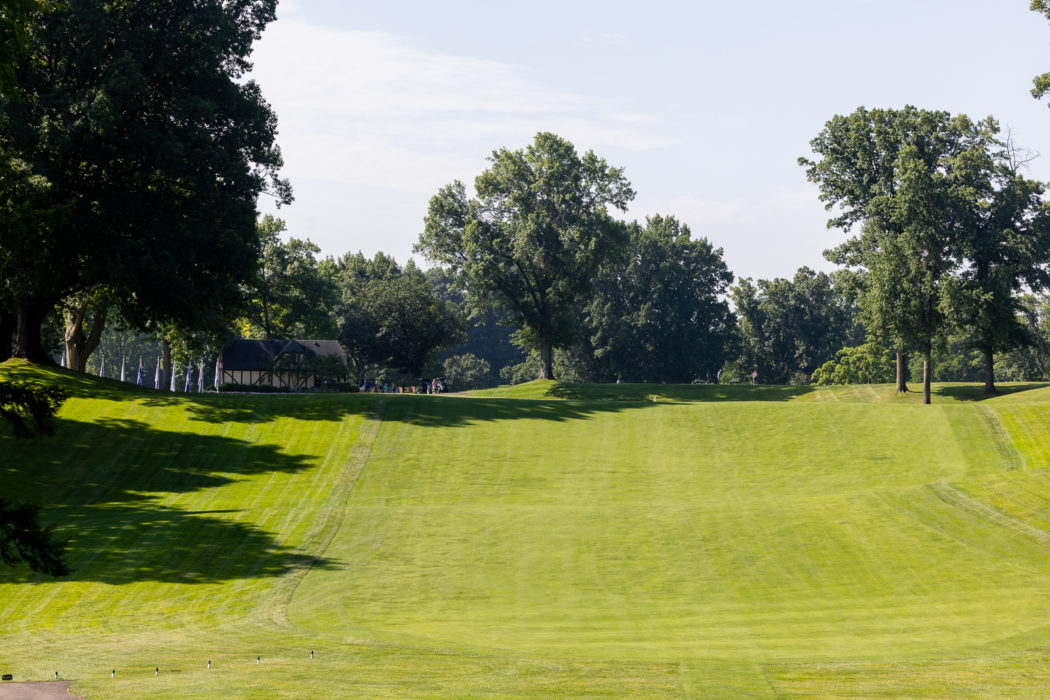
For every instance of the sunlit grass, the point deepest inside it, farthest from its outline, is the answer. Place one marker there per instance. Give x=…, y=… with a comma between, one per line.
x=547, y=539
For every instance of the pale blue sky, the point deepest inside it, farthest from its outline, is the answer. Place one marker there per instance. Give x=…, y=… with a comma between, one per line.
x=706, y=105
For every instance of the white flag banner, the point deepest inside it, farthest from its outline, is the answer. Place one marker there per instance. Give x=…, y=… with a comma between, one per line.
x=156, y=375
x=216, y=374
x=200, y=378
x=122, y=368
x=189, y=374
x=172, y=377
x=138, y=375
x=102, y=366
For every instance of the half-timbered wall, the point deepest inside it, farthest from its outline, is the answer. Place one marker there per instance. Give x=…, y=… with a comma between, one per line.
x=285, y=379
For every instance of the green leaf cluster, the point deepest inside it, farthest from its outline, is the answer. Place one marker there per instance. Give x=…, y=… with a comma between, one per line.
x=30, y=408
x=865, y=364
x=950, y=231
x=659, y=313
x=132, y=152
x=533, y=239
x=391, y=316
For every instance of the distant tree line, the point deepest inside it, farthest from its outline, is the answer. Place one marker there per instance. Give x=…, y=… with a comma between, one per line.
x=131, y=159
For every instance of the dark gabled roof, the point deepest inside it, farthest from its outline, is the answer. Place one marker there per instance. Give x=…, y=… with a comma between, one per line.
x=322, y=348
x=262, y=354
x=251, y=354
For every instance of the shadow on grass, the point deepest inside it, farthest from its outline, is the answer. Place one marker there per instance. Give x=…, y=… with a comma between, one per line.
x=100, y=483
x=975, y=392
x=678, y=392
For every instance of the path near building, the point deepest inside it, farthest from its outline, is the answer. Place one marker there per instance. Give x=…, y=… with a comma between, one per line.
x=48, y=690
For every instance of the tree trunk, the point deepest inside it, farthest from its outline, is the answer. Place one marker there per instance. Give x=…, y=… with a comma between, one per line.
x=8, y=325
x=78, y=345
x=266, y=314
x=927, y=372
x=989, y=373
x=902, y=372
x=28, y=343
x=165, y=348
x=546, y=359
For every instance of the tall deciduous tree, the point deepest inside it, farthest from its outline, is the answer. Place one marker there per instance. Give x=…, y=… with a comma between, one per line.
x=1006, y=250
x=290, y=296
x=915, y=179
x=534, y=238
x=142, y=149
x=660, y=314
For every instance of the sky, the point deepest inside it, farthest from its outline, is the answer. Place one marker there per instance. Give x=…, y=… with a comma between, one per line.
x=706, y=105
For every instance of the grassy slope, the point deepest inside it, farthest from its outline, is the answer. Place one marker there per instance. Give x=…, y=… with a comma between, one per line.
x=545, y=539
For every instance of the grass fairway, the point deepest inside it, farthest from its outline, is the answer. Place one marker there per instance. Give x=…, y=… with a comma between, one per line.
x=543, y=540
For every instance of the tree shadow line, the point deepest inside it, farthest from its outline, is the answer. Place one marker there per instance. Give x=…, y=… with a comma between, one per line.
x=684, y=393
x=100, y=482
x=975, y=392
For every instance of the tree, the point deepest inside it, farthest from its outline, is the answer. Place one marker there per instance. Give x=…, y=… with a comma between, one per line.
x=915, y=179
x=92, y=305
x=1006, y=249
x=489, y=335
x=139, y=150
x=467, y=371
x=660, y=314
x=23, y=538
x=864, y=364
x=1041, y=83
x=787, y=329
x=533, y=240
x=29, y=410
x=289, y=295
x=14, y=38
x=391, y=315
x=1030, y=362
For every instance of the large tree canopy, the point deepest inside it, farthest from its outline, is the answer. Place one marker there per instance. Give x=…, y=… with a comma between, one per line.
x=534, y=238
x=788, y=328
x=660, y=314
x=1005, y=249
x=132, y=152
x=290, y=295
x=917, y=181
x=391, y=316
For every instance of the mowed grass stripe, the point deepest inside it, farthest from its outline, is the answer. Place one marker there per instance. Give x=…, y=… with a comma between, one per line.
x=528, y=549
x=718, y=541
x=664, y=454
x=231, y=518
